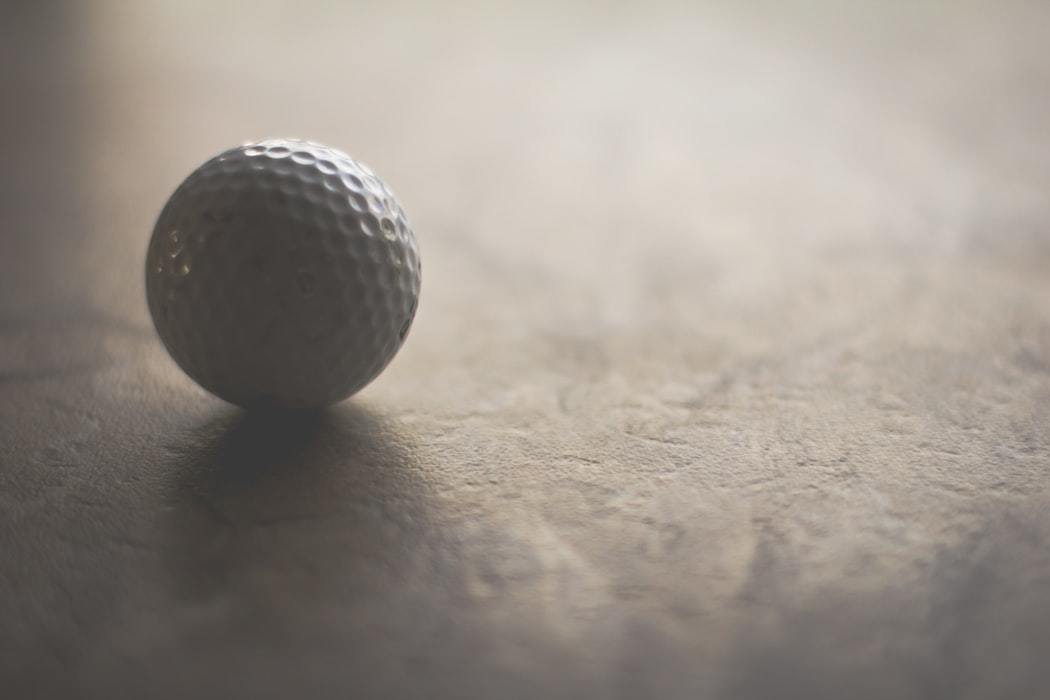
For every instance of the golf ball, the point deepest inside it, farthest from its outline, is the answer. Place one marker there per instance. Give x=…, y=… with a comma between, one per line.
x=282, y=273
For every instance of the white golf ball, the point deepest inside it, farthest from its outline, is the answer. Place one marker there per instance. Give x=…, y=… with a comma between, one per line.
x=282, y=273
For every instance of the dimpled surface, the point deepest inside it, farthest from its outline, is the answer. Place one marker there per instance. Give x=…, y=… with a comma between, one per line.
x=283, y=273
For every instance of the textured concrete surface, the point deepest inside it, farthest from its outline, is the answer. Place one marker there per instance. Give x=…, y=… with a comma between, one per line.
x=731, y=377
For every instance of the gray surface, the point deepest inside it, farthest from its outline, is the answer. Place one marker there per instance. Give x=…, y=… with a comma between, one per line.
x=731, y=377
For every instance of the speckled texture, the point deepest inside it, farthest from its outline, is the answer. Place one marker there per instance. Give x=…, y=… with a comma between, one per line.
x=730, y=381
x=283, y=273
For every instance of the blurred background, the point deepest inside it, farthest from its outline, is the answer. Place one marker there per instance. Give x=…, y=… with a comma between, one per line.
x=730, y=378
x=556, y=143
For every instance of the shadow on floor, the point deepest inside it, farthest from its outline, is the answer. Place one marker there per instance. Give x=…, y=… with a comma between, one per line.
x=273, y=509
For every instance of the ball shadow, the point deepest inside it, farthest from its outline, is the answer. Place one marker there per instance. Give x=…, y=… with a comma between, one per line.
x=251, y=445
x=268, y=510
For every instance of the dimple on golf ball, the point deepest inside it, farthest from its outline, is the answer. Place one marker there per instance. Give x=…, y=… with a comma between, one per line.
x=282, y=273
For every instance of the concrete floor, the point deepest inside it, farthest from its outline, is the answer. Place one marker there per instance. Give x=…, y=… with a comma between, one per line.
x=731, y=377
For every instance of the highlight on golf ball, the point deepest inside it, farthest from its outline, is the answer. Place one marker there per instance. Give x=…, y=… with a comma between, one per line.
x=282, y=273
